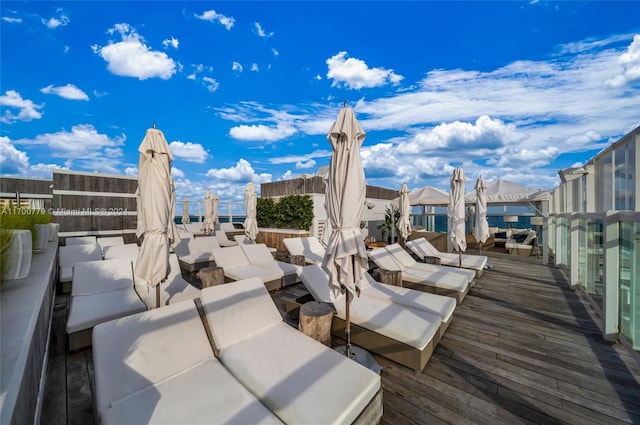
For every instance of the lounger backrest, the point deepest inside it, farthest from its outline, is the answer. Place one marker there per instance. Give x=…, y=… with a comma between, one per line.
x=110, y=241
x=128, y=250
x=230, y=257
x=257, y=253
x=294, y=245
x=206, y=243
x=428, y=247
x=186, y=245
x=95, y=277
x=417, y=248
x=227, y=226
x=316, y=280
x=400, y=255
x=384, y=259
x=237, y=310
x=80, y=240
x=70, y=255
x=138, y=351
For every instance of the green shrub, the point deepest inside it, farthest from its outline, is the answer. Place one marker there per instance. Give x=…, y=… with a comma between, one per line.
x=290, y=212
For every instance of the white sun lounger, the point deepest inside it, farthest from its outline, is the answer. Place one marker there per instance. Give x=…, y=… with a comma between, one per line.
x=102, y=290
x=296, y=377
x=69, y=255
x=192, y=257
x=309, y=247
x=237, y=266
x=128, y=250
x=158, y=367
x=441, y=280
x=403, y=334
x=223, y=240
x=260, y=255
x=424, y=249
x=316, y=280
x=109, y=241
x=173, y=290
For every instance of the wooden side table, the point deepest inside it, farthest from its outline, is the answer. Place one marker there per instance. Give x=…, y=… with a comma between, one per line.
x=315, y=321
x=390, y=277
x=211, y=276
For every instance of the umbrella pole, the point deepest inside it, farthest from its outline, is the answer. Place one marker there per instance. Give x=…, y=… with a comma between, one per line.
x=347, y=328
x=158, y=295
x=459, y=258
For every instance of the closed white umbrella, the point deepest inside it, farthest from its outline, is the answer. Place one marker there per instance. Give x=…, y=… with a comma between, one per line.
x=250, y=222
x=346, y=259
x=185, y=211
x=482, y=225
x=157, y=209
x=209, y=223
x=404, y=224
x=456, y=212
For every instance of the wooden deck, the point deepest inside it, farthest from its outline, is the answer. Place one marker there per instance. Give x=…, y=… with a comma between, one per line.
x=523, y=348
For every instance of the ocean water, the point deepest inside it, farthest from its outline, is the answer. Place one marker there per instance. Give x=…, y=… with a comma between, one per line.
x=221, y=219
x=494, y=221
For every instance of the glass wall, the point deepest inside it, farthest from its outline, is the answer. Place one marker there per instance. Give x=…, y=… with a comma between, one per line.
x=590, y=257
x=630, y=283
x=605, y=178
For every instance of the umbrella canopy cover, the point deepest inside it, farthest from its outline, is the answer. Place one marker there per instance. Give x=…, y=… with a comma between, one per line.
x=209, y=223
x=250, y=222
x=156, y=207
x=346, y=259
x=457, y=210
x=404, y=224
x=185, y=211
x=482, y=225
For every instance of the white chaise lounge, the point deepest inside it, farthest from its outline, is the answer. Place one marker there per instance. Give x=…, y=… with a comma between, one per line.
x=309, y=247
x=193, y=255
x=316, y=280
x=237, y=266
x=106, y=241
x=296, y=377
x=173, y=290
x=158, y=367
x=128, y=250
x=102, y=290
x=441, y=280
x=80, y=240
x=424, y=250
x=69, y=255
x=403, y=334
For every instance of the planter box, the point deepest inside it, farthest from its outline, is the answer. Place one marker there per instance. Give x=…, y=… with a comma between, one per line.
x=273, y=237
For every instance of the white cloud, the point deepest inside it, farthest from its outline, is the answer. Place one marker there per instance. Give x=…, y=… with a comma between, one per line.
x=83, y=142
x=191, y=152
x=241, y=172
x=132, y=171
x=260, y=31
x=11, y=20
x=177, y=173
x=131, y=57
x=27, y=110
x=254, y=67
x=275, y=52
x=213, y=16
x=290, y=159
x=68, y=91
x=260, y=132
x=305, y=164
x=12, y=160
x=355, y=73
x=211, y=84
x=236, y=66
x=629, y=65
x=173, y=42
x=56, y=21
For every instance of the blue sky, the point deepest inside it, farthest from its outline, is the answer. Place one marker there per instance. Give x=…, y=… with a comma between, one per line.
x=247, y=91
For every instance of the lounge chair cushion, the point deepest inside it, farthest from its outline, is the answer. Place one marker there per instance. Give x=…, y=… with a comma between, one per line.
x=223, y=239
x=384, y=259
x=310, y=247
x=292, y=374
x=109, y=241
x=128, y=250
x=173, y=290
x=94, y=277
x=239, y=310
x=230, y=257
x=87, y=311
x=68, y=256
x=422, y=247
x=205, y=243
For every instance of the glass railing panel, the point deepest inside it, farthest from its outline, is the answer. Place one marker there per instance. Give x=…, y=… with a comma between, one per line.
x=594, y=266
x=629, y=263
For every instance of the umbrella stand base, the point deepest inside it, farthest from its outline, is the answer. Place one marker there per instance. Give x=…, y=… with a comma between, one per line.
x=361, y=356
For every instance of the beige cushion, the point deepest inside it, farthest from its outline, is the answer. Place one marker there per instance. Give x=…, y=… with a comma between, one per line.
x=87, y=311
x=80, y=240
x=292, y=374
x=173, y=290
x=310, y=247
x=230, y=257
x=94, y=277
x=128, y=250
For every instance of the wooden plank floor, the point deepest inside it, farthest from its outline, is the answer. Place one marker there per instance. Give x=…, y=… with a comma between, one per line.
x=523, y=348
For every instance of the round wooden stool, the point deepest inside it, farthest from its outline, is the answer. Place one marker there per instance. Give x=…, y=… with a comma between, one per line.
x=315, y=321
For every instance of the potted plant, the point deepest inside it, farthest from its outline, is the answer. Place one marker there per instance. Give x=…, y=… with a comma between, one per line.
x=390, y=225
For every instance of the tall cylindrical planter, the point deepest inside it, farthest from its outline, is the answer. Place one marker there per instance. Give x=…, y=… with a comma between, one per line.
x=42, y=237
x=53, y=231
x=18, y=255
